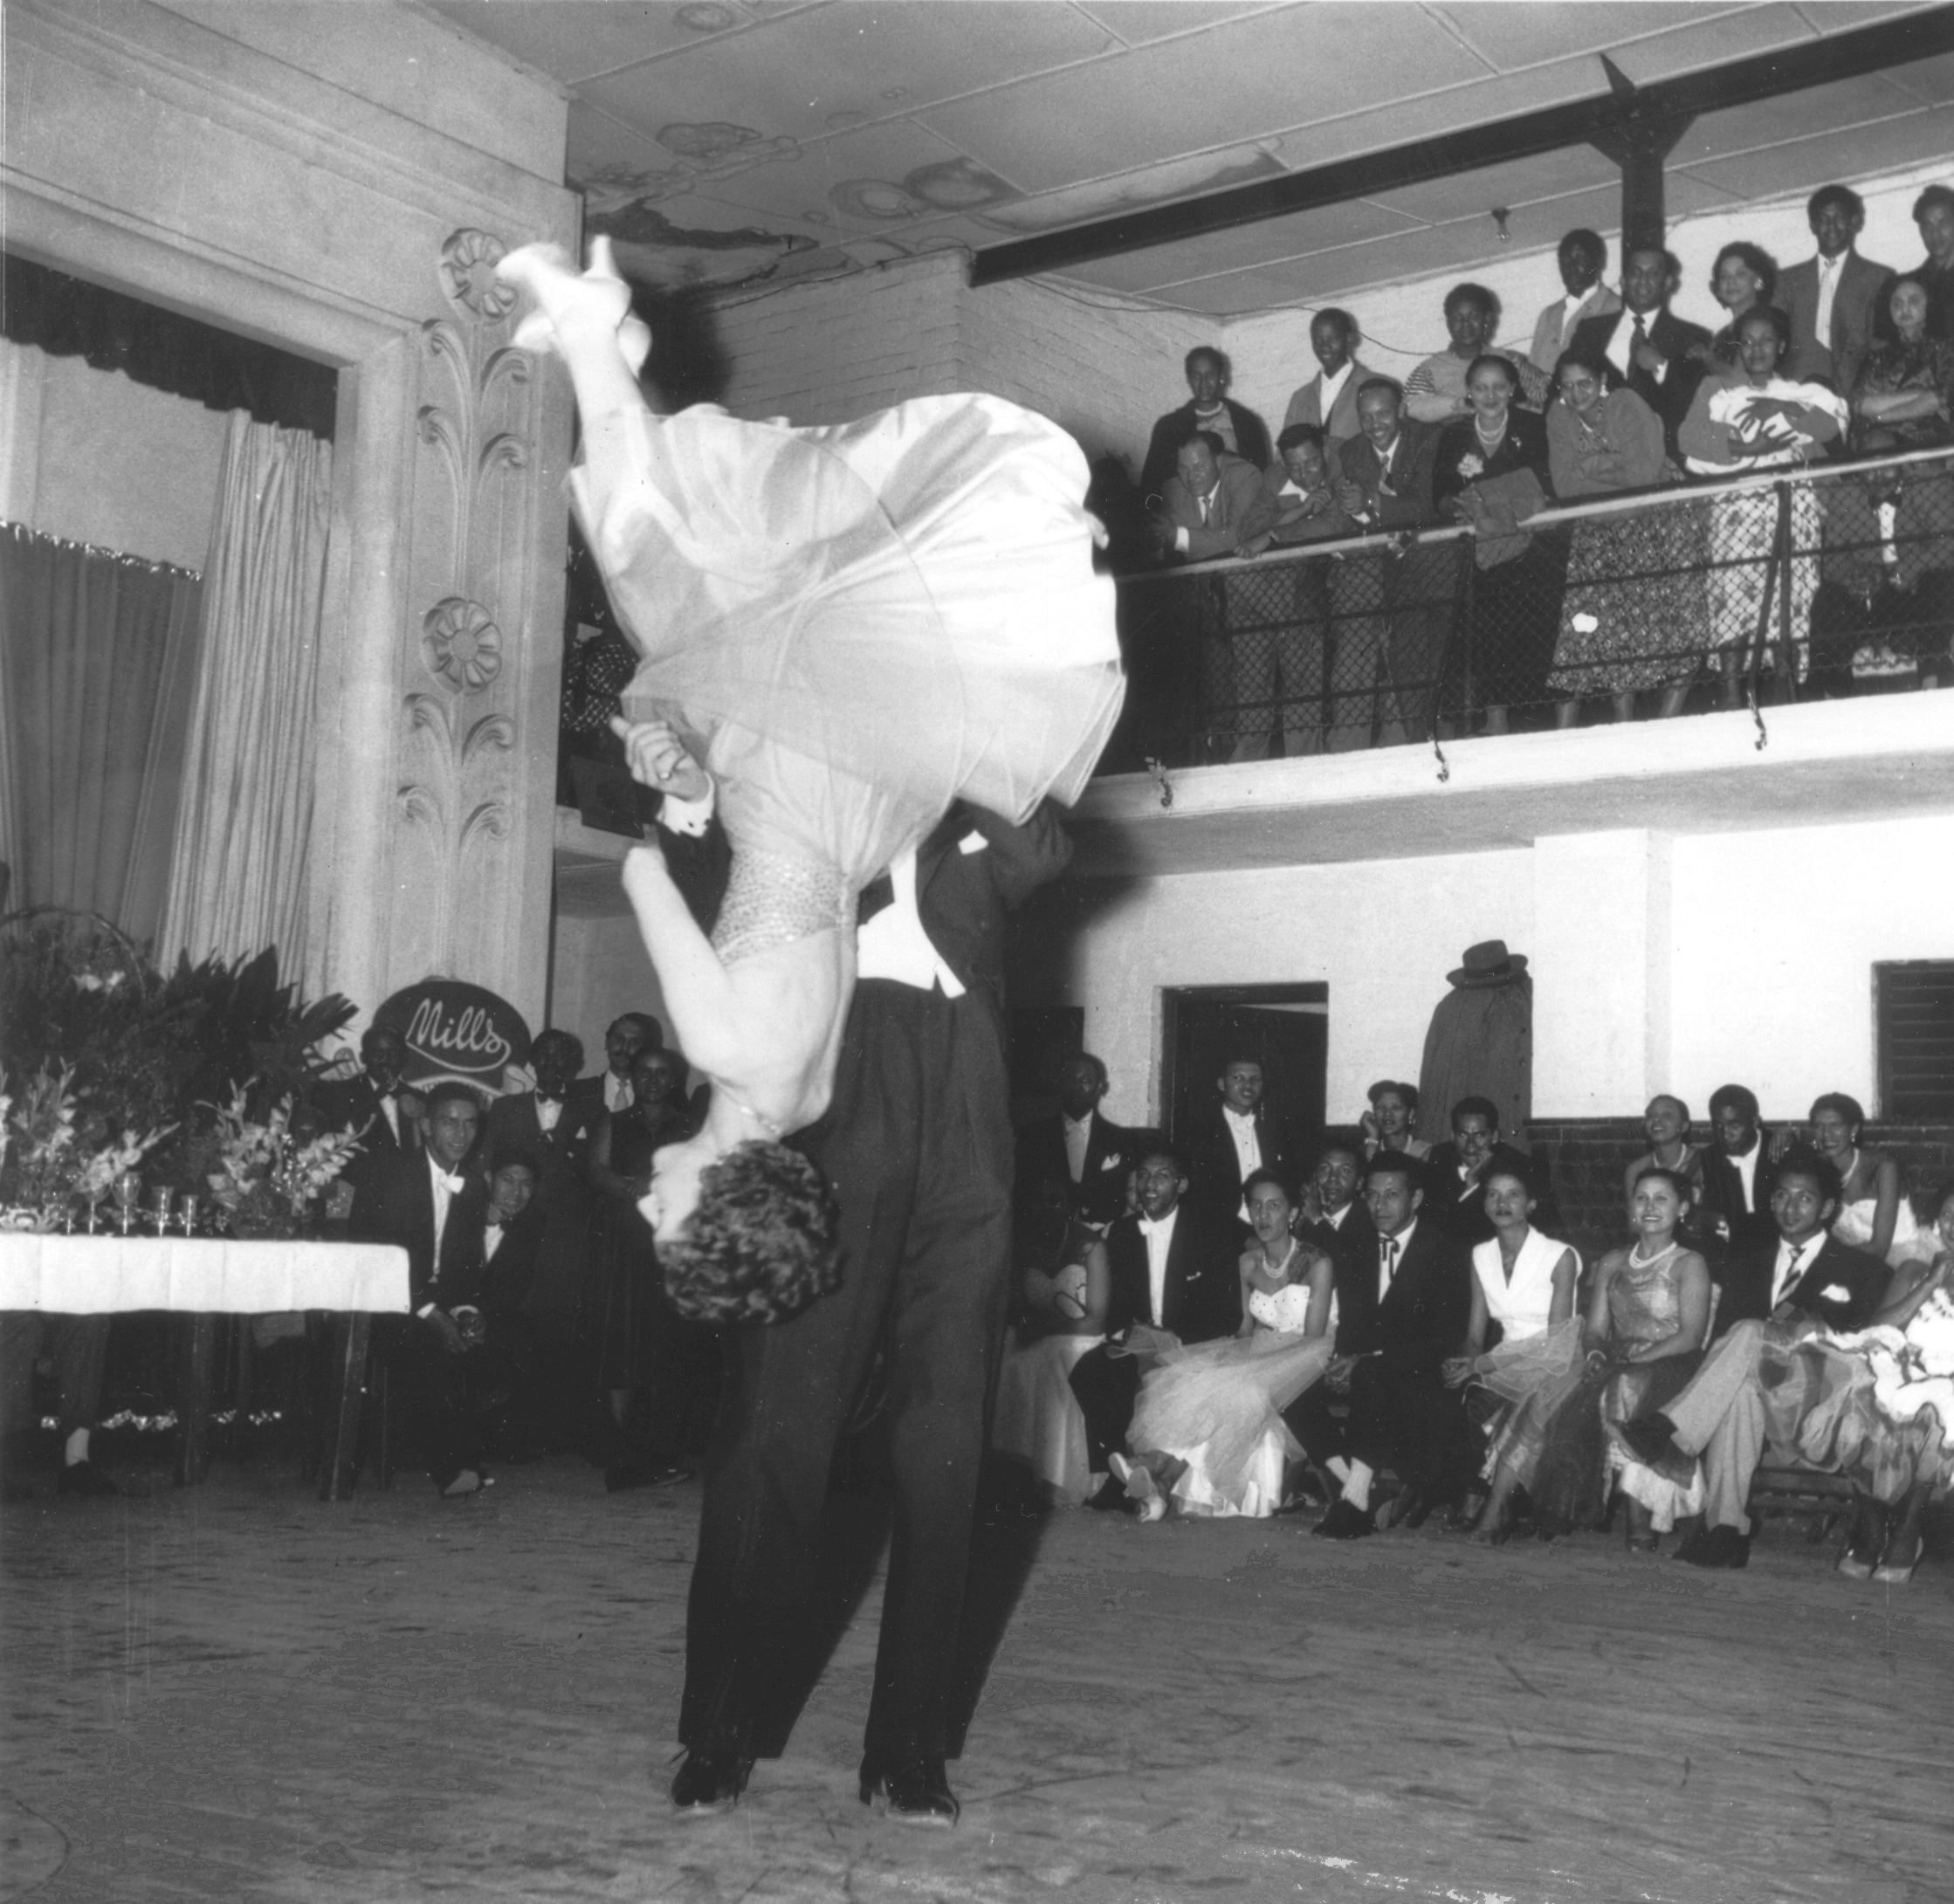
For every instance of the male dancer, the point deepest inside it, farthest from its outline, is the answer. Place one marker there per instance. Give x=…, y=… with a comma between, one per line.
x=918, y=1146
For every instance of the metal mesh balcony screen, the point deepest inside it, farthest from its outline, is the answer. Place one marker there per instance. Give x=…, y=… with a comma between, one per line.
x=1828, y=582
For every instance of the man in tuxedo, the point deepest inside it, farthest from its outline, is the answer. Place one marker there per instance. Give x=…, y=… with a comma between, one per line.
x=374, y=1104
x=1831, y=299
x=1077, y=1148
x=1648, y=348
x=1328, y=400
x=1457, y=1173
x=917, y=1144
x=1232, y=1139
x=1175, y=1266
x=610, y=1089
x=1401, y=1320
x=1384, y=482
x=1583, y=257
x=1807, y=1280
x=1239, y=430
x=1343, y=1230
x=1738, y=1172
x=503, y=1364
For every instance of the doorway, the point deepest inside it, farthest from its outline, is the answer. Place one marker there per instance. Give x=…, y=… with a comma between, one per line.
x=1284, y=1027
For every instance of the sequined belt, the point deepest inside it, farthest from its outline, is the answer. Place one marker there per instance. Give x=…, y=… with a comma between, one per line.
x=773, y=899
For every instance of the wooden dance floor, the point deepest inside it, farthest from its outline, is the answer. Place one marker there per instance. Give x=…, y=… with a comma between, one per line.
x=233, y=1692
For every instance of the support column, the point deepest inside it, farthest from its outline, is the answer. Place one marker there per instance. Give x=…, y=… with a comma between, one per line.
x=1603, y=955
x=1639, y=140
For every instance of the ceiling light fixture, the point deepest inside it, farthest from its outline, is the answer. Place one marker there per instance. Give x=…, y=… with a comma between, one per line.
x=1500, y=215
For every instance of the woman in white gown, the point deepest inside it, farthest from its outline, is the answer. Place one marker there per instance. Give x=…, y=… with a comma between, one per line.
x=1207, y=1432
x=841, y=631
x=1874, y=1214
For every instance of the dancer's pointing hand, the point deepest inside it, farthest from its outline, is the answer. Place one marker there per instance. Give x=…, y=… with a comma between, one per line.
x=659, y=759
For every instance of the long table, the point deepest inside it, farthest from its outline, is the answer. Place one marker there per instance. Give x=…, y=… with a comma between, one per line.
x=204, y=1277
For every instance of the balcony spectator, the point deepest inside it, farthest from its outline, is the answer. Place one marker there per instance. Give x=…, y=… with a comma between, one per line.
x=1744, y=279
x=1435, y=391
x=1582, y=258
x=1905, y=387
x=1390, y=1123
x=1298, y=507
x=1490, y=470
x=1645, y=344
x=1745, y=419
x=1239, y=431
x=1634, y=580
x=1832, y=299
x=1328, y=400
x=1387, y=663
x=1077, y=1150
x=1933, y=211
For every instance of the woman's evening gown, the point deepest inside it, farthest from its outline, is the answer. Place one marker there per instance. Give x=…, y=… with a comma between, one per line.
x=854, y=626
x=1218, y=1407
x=1537, y=1367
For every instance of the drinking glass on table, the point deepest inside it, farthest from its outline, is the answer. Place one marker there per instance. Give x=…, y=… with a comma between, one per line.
x=162, y=1197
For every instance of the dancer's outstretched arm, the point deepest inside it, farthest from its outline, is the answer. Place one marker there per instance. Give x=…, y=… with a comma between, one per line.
x=694, y=983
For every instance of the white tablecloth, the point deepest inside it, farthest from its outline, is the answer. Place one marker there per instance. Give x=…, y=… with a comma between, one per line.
x=94, y=1275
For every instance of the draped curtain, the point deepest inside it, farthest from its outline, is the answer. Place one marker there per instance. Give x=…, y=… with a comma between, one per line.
x=237, y=873
x=97, y=658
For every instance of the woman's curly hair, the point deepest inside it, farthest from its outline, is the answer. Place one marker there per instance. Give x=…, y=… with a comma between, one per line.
x=760, y=1243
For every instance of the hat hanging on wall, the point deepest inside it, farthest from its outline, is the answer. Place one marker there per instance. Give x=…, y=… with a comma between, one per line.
x=1489, y=962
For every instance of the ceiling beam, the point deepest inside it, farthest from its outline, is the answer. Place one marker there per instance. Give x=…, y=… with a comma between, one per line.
x=1762, y=76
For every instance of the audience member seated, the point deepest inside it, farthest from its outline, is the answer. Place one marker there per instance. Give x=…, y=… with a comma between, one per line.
x=1328, y=400
x=1085, y=1154
x=1390, y=1123
x=1905, y=385
x=1648, y=1318
x=1233, y=1139
x=1387, y=663
x=1831, y=299
x=1631, y=581
x=1335, y=1219
x=374, y=1104
x=1238, y=429
x=1669, y=1125
x=425, y=1201
x=77, y=1349
x=1868, y=1406
x=1743, y=420
x=1738, y=1172
x=503, y=1367
x=1525, y=1282
x=1645, y=346
x=1065, y=1292
x=1873, y=1212
x=647, y=1351
x=1173, y=1273
x=1776, y=1293
x=1583, y=257
x=1298, y=507
x=1396, y=1326
x=1435, y=391
x=1490, y=470
x=1933, y=212
x=1455, y=1174
x=1885, y=602
x=1207, y=1435
x=1744, y=279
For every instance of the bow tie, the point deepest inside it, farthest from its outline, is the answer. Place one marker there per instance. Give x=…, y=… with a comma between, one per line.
x=549, y=1098
x=453, y=1184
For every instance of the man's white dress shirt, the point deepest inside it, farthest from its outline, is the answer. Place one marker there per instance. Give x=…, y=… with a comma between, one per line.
x=1159, y=1240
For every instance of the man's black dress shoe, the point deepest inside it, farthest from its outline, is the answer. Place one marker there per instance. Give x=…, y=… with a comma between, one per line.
x=917, y=1790
x=1343, y=1523
x=1111, y=1499
x=83, y=1478
x=1717, y=1547
x=711, y=1780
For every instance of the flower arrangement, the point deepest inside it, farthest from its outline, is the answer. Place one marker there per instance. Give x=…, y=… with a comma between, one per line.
x=267, y=1173
x=53, y=1159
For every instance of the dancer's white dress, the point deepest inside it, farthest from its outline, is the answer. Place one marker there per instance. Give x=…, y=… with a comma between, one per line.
x=1218, y=1407
x=854, y=626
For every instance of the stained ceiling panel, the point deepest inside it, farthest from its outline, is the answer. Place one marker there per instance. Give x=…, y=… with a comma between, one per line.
x=883, y=176
x=1237, y=82
x=1812, y=163
x=576, y=40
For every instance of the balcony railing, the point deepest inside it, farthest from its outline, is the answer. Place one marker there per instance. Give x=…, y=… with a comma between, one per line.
x=1782, y=586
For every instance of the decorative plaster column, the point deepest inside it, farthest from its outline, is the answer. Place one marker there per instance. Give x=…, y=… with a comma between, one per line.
x=1602, y=955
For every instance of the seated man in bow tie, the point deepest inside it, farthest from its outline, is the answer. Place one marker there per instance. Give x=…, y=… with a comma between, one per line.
x=424, y=1201
x=374, y=1104
x=1174, y=1267
x=1806, y=1280
x=1397, y=1321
